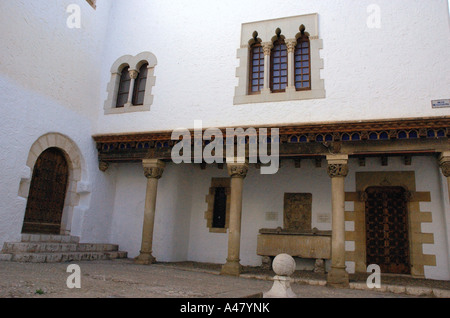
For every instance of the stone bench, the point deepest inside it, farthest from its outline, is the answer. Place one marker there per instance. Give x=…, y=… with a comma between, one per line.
x=306, y=244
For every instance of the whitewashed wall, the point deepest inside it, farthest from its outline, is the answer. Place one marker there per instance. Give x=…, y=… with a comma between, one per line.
x=54, y=79
x=171, y=230
x=181, y=232
x=391, y=72
x=50, y=83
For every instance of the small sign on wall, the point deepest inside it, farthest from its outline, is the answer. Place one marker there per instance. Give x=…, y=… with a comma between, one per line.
x=323, y=218
x=440, y=103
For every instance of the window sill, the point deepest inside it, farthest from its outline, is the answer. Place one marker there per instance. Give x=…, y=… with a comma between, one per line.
x=217, y=230
x=288, y=95
x=127, y=109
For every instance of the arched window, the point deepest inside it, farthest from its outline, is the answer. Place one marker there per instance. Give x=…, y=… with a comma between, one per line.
x=139, y=85
x=292, y=61
x=124, y=88
x=303, y=63
x=256, y=82
x=130, y=87
x=279, y=66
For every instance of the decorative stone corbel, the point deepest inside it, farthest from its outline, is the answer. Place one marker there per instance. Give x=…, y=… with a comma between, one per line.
x=103, y=166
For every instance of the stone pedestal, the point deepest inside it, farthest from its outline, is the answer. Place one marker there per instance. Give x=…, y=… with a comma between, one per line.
x=153, y=170
x=238, y=172
x=338, y=170
x=284, y=267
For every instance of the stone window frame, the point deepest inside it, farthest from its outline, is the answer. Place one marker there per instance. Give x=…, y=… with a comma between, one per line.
x=134, y=63
x=266, y=32
x=209, y=214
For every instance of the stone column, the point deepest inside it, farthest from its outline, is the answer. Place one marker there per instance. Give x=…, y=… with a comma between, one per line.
x=237, y=172
x=267, y=47
x=291, y=44
x=153, y=170
x=338, y=170
x=444, y=163
x=133, y=76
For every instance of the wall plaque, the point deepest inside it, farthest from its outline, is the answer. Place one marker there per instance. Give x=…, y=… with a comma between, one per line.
x=441, y=103
x=297, y=211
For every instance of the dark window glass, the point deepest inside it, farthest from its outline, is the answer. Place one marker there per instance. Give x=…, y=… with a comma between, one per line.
x=302, y=58
x=256, y=77
x=124, y=88
x=139, y=86
x=279, y=67
x=220, y=208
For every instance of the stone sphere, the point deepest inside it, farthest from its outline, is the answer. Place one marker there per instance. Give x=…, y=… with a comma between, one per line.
x=284, y=265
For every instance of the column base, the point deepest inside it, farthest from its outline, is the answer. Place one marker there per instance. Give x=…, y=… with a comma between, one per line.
x=145, y=259
x=338, y=277
x=231, y=268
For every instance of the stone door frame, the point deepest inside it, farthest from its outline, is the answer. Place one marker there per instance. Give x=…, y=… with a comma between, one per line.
x=416, y=217
x=76, y=166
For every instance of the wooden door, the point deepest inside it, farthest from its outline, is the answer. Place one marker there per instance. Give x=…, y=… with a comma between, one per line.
x=47, y=193
x=387, y=229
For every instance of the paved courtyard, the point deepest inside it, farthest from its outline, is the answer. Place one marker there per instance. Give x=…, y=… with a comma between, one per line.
x=123, y=279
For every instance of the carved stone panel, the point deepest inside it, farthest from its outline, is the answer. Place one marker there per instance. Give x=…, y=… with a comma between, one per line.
x=297, y=211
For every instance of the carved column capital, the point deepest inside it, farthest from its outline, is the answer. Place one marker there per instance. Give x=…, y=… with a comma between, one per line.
x=155, y=173
x=153, y=168
x=291, y=44
x=133, y=74
x=267, y=47
x=337, y=170
x=237, y=170
x=444, y=163
x=337, y=165
x=445, y=168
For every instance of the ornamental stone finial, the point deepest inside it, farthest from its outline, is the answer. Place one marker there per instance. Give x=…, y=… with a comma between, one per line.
x=284, y=266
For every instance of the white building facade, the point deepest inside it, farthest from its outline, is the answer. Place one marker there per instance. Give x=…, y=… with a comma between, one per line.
x=107, y=86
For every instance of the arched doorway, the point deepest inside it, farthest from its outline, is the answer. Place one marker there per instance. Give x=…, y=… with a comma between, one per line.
x=47, y=193
x=387, y=230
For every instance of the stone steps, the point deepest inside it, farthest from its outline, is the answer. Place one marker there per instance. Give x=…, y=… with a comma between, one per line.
x=46, y=247
x=36, y=248
x=50, y=238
